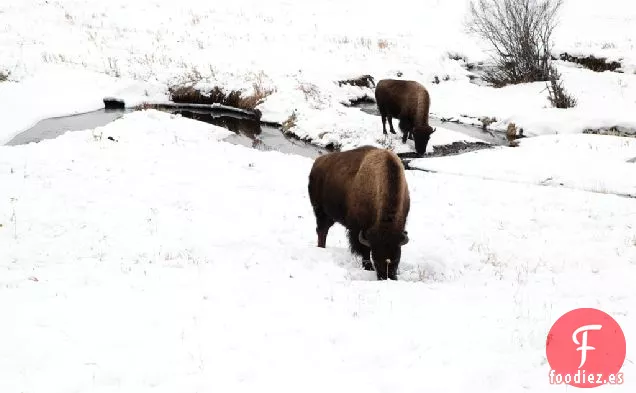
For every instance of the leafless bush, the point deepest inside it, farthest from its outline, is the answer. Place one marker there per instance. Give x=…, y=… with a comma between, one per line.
x=557, y=95
x=519, y=31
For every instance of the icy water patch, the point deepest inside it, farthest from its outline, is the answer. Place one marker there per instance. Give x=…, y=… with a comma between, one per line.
x=247, y=132
x=56, y=126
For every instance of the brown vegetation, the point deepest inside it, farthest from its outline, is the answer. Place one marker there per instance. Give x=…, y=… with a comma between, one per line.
x=234, y=98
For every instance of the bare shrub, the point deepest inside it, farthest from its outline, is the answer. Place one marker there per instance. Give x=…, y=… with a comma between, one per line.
x=519, y=31
x=558, y=97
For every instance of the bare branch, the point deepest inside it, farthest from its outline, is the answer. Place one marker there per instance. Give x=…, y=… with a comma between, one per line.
x=519, y=32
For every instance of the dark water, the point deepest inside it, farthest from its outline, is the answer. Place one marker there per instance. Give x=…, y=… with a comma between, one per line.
x=247, y=132
x=251, y=133
x=472, y=131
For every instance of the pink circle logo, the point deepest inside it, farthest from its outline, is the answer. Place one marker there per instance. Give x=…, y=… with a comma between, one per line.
x=586, y=348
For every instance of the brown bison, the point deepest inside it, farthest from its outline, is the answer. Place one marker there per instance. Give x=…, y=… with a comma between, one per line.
x=364, y=190
x=409, y=102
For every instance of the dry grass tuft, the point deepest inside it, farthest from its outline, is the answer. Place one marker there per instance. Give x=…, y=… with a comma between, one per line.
x=383, y=44
x=289, y=123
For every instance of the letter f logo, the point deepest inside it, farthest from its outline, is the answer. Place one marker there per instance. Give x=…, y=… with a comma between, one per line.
x=584, y=347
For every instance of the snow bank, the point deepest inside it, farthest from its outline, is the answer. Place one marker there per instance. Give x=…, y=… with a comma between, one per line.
x=586, y=162
x=166, y=260
x=602, y=29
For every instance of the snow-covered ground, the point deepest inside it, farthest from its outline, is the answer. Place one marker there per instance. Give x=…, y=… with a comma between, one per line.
x=149, y=255
x=595, y=163
x=165, y=260
x=300, y=52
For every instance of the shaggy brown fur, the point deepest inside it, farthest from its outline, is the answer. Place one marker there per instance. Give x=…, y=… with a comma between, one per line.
x=409, y=102
x=364, y=190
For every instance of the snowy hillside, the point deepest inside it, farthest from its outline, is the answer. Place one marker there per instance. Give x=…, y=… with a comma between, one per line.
x=300, y=52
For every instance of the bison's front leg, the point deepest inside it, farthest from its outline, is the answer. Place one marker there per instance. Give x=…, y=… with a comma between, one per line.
x=405, y=135
x=391, y=125
x=383, y=124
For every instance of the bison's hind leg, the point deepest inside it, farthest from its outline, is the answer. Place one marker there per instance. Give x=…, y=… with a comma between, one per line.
x=359, y=249
x=323, y=223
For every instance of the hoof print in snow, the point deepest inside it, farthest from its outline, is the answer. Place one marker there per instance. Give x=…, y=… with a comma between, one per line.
x=114, y=103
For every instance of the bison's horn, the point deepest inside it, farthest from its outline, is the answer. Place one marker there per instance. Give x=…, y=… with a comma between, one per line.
x=363, y=240
x=405, y=238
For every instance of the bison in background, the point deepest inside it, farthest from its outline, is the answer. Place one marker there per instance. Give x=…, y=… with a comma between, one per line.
x=364, y=190
x=409, y=102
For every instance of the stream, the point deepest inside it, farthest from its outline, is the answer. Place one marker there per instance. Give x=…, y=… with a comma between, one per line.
x=247, y=131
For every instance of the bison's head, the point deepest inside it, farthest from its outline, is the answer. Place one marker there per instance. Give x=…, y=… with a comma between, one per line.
x=386, y=251
x=421, y=135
